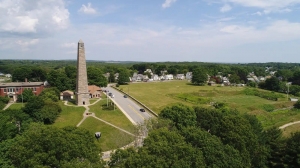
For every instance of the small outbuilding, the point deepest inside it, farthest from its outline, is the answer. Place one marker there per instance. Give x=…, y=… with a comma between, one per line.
x=95, y=91
x=66, y=95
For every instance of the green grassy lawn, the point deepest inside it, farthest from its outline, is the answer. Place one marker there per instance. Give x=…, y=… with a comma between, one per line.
x=93, y=100
x=157, y=95
x=70, y=116
x=111, y=138
x=290, y=129
x=16, y=106
x=110, y=115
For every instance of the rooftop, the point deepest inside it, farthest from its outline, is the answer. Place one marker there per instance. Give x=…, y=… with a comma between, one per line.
x=21, y=84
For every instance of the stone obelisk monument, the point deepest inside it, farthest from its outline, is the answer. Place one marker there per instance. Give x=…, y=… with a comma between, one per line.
x=82, y=94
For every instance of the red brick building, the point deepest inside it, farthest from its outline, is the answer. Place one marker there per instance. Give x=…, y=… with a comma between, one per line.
x=14, y=89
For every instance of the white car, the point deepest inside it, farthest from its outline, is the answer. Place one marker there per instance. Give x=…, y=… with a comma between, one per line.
x=112, y=96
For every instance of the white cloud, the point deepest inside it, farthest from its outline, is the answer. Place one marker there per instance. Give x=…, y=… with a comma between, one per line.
x=270, y=5
x=33, y=16
x=69, y=45
x=87, y=9
x=225, y=8
x=168, y=3
x=25, y=44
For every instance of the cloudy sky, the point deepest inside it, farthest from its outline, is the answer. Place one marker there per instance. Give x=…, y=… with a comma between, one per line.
x=152, y=30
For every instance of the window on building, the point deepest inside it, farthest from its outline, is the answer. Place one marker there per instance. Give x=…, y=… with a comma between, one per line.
x=17, y=89
x=4, y=90
x=34, y=89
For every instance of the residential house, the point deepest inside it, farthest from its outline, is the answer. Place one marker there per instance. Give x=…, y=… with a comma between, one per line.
x=94, y=91
x=116, y=76
x=169, y=77
x=164, y=72
x=8, y=75
x=189, y=75
x=155, y=77
x=180, y=76
x=212, y=83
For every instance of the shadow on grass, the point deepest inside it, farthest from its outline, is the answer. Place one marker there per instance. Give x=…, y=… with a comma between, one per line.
x=72, y=101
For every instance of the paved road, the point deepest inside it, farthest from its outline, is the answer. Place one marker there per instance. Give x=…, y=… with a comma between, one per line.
x=130, y=107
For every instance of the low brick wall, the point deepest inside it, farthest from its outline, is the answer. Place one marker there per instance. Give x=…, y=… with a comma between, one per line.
x=148, y=109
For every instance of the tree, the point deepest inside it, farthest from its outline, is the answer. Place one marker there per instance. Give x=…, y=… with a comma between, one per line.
x=297, y=105
x=95, y=77
x=38, y=74
x=111, y=77
x=48, y=146
x=273, y=84
x=234, y=78
x=292, y=151
x=59, y=79
x=181, y=115
x=71, y=72
x=19, y=74
x=123, y=77
x=50, y=94
x=162, y=148
x=26, y=95
x=199, y=76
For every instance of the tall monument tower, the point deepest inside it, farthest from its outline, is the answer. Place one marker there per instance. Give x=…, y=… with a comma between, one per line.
x=82, y=94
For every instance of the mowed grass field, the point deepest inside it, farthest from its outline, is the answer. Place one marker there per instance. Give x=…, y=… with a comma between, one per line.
x=16, y=106
x=111, y=138
x=158, y=95
x=111, y=115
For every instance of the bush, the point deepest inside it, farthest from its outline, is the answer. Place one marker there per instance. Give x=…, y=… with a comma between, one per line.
x=266, y=95
x=117, y=85
x=268, y=107
x=297, y=105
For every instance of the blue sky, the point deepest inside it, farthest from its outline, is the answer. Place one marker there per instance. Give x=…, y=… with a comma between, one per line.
x=152, y=30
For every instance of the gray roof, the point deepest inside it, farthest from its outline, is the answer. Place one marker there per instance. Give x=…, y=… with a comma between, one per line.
x=21, y=84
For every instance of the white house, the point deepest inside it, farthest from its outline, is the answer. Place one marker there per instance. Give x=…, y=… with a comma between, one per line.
x=169, y=77
x=180, y=76
x=149, y=71
x=155, y=77
x=8, y=75
x=189, y=75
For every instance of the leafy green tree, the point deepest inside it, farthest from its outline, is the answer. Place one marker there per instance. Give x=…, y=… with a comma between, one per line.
x=181, y=115
x=123, y=77
x=19, y=74
x=111, y=77
x=49, y=112
x=48, y=146
x=273, y=84
x=215, y=153
x=50, y=94
x=199, y=76
x=59, y=79
x=292, y=151
x=297, y=105
x=26, y=95
x=95, y=77
x=71, y=72
x=234, y=78
x=38, y=74
x=161, y=148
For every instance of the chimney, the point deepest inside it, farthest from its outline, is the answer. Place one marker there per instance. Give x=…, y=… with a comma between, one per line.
x=25, y=79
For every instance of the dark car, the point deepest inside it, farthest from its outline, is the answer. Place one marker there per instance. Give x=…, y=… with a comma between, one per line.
x=125, y=96
x=110, y=94
x=142, y=110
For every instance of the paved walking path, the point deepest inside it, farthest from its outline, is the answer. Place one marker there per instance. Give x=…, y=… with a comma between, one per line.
x=8, y=104
x=289, y=124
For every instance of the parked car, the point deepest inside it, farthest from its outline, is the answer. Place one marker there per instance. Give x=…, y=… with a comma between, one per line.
x=125, y=96
x=112, y=96
x=109, y=94
x=142, y=110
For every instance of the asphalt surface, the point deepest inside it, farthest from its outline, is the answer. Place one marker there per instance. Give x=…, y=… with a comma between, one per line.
x=129, y=106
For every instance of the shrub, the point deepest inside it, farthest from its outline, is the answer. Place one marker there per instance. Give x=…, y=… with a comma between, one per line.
x=268, y=107
x=297, y=105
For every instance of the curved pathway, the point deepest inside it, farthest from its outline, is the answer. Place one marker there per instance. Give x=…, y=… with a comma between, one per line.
x=289, y=124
